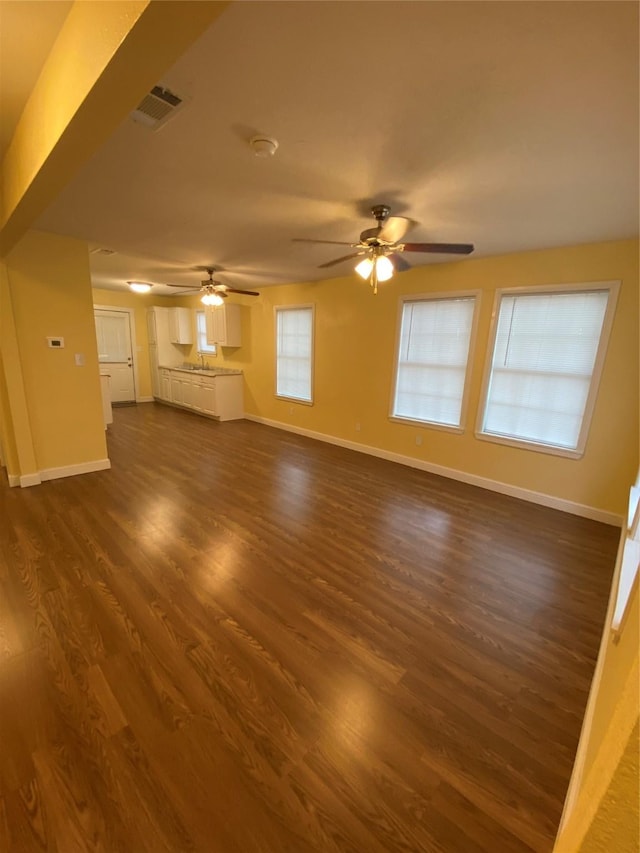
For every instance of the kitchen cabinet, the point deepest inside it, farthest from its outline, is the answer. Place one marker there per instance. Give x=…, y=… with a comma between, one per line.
x=223, y=325
x=105, y=381
x=177, y=386
x=165, y=384
x=153, y=369
x=180, y=325
x=217, y=396
x=208, y=400
x=161, y=350
x=152, y=333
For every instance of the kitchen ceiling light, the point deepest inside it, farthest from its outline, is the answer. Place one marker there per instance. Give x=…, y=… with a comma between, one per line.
x=139, y=286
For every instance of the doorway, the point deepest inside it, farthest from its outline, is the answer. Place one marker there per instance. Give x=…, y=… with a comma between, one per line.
x=116, y=352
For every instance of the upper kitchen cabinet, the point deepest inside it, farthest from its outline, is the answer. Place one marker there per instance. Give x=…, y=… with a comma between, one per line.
x=152, y=332
x=223, y=325
x=180, y=326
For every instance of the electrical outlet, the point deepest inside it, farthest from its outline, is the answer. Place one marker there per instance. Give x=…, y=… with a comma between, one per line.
x=290, y=410
x=418, y=440
x=358, y=427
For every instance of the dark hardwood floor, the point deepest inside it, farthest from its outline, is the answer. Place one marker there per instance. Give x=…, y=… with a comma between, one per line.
x=239, y=639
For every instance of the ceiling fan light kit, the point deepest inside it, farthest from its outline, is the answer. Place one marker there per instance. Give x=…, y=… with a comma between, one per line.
x=212, y=298
x=382, y=247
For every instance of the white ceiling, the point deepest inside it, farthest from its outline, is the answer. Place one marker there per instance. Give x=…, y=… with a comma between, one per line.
x=511, y=125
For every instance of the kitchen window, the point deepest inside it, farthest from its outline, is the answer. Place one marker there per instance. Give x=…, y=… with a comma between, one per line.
x=432, y=359
x=294, y=353
x=204, y=348
x=548, y=347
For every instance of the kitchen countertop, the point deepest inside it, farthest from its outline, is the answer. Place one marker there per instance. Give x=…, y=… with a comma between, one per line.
x=214, y=371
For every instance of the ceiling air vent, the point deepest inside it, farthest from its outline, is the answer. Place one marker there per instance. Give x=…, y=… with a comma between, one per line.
x=100, y=251
x=157, y=108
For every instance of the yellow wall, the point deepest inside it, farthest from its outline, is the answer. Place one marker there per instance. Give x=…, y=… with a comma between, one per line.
x=16, y=425
x=616, y=824
x=50, y=288
x=7, y=438
x=620, y=657
x=602, y=790
x=355, y=336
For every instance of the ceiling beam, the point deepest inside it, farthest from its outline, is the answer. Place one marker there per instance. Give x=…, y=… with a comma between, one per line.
x=106, y=57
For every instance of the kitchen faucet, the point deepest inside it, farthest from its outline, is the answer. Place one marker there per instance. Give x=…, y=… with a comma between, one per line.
x=201, y=357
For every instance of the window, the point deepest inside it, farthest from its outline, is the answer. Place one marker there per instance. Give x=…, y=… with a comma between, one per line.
x=547, y=355
x=294, y=348
x=201, y=327
x=433, y=351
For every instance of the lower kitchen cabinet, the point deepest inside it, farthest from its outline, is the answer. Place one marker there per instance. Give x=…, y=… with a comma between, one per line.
x=165, y=384
x=219, y=396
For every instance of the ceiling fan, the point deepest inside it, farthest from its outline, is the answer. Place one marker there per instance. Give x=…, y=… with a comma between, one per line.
x=213, y=292
x=381, y=247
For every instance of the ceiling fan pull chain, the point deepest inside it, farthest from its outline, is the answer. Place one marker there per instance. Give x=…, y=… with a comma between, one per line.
x=374, y=279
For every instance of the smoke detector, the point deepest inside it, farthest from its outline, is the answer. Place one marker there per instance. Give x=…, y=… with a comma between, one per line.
x=263, y=146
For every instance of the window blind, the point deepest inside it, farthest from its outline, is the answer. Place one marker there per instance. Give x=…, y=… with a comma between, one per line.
x=294, y=342
x=432, y=359
x=543, y=360
x=201, y=324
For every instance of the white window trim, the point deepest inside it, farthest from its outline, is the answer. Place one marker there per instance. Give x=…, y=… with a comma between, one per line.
x=212, y=352
x=297, y=307
x=613, y=287
x=432, y=297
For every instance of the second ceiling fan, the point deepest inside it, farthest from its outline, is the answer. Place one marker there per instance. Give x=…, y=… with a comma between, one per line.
x=382, y=248
x=213, y=292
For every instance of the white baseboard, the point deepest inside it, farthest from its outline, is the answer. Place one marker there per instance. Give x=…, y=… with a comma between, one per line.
x=453, y=474
x=14, y=479
x=72, y=470
x=26, y=480
x=144, y=399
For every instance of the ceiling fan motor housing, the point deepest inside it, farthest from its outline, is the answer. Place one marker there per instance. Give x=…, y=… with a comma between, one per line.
x=380, y=212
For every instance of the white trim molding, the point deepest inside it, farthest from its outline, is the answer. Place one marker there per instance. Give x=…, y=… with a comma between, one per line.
x=540, y=498
x=26, y=480
x=73, y=470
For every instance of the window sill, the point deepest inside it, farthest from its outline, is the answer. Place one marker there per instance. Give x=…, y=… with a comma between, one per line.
x=458, y=430
x=530, y=445
x=294, y=400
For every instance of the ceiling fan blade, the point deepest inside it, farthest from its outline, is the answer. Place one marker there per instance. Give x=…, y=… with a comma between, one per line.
x=190, y=286
x=331, y=242
x=399, y=263
x=394, y=229
x=441, y=248
x=235, y=290
x=340, y=260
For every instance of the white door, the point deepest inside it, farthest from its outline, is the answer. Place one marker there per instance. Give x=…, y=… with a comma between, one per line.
x=114, y=353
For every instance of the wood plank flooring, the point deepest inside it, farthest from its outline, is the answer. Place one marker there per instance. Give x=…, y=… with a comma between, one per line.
x=239, y=639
